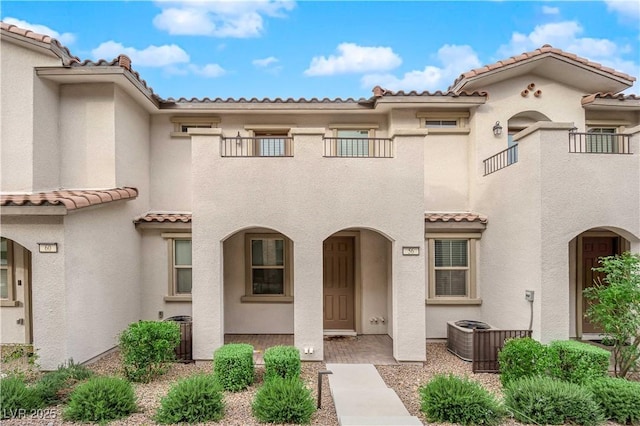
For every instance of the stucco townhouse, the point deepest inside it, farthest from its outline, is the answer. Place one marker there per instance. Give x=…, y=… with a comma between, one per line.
x=388, y=215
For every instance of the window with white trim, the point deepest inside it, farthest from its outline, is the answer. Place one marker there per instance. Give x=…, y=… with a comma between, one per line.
x=602, y=139
x=353, y=142
x=182, y=124
x=6, y=269
x=268, y=264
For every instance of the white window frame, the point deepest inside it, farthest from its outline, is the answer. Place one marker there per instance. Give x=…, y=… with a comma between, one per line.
x=440, y=122
x=172, y=290
x=362, y=127
x=249, y=296
x=9, y=267
x=180, y=122
x=470, y=298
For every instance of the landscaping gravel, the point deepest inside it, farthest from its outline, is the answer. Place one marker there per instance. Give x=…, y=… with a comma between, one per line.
x=405, y=379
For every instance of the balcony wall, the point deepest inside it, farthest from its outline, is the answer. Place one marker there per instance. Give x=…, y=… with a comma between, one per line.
x=535, y=208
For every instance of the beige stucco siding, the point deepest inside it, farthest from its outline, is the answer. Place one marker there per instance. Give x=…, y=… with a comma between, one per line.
x=102, y=278
x=13, y=319
x=87, y=136
x=375, y=251
x=446, y=179
x=29, y=119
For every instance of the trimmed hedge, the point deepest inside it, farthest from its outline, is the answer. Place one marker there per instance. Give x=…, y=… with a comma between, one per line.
x=577, y=362
x=459, y=400
x=196, y=399
x=233, y=366
x=546, y=400
x=282, y=361
x=147, y=348
x=522, y=357
x=283, y=401
x=101, y=399
x=618, y=398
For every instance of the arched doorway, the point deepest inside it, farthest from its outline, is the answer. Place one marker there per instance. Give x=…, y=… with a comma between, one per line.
x=590, y=246
x=15, y=293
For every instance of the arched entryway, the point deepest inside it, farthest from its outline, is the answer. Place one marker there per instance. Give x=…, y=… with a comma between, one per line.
x=15, y=293
x=258, y=282
x=585, y=252
x=357, y=283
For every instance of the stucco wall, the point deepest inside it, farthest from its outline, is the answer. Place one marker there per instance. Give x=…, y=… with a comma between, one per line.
x=446, y=173
x=87, y=135
x=374, y=260
x=26, y=121
x=102, y=277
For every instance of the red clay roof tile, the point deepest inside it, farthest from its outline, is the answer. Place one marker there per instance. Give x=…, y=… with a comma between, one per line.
x=528, y=55
x=164, y=217
x=70, y=199
x=455, y=217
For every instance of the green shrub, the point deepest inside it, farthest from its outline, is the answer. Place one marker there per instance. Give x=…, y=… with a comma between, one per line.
x=618, y=398
x=577, y=362
x=459, y=400
x=16, y=398
x=522, y=357
x=283, y=401
x=101, y=399
x=281, y=361
x=53, y=387
x=545, y=400
x=147, y=347
x=233, y=366
x=197, y=399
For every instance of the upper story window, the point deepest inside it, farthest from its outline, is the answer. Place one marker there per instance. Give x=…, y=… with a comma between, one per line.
x=602, y=140
x=182, y=124
x=357, y=140
x=353, y=142
x=444, y=121
x=271, y=143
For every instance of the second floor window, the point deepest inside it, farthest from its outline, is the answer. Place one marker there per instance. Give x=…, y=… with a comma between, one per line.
x=353, y=143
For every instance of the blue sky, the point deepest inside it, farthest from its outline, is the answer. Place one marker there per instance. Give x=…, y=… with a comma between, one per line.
x=266, y=48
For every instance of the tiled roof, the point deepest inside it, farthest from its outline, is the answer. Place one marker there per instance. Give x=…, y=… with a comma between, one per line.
x=70, y=199
x=69, y=60
x=546, y=49
x=164, y=217
x=455, y=217
x=379, y=92
x=619, y=96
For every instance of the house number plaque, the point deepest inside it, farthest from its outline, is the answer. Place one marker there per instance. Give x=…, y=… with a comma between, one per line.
x=48, y=247
x=411, y=251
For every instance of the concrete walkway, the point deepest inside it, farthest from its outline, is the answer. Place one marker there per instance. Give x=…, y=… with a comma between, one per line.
x=362, y=398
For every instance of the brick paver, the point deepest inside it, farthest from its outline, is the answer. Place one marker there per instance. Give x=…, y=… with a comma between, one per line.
x=374, y=349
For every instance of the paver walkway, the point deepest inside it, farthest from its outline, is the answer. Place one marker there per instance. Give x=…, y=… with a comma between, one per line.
x=362, y=398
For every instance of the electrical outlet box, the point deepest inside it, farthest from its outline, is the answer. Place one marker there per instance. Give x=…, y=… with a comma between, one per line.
x=529, y=295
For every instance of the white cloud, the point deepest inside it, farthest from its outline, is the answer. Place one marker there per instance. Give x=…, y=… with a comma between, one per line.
x=226, y=18
x=548, y=10
x=64, y=38
x=626, y=8
x=567, y=36
x=152, y=56
x=265, y=62
x=207, y=71
x=354, y=59
x=453, y=60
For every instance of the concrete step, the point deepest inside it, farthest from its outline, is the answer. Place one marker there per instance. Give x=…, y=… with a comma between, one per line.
x=380, y=421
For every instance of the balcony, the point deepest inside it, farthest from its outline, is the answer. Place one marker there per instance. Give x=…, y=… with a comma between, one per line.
x=501, y=160
x=260, y=146
x=358, y=147
x=599, y=143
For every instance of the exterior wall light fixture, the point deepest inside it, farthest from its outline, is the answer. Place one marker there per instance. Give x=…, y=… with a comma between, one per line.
x=497, y=129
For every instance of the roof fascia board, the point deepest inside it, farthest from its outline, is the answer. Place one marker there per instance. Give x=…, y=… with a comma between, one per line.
x=33, y=211
x=30, y=43
x=613, y=104
x=98, y=71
